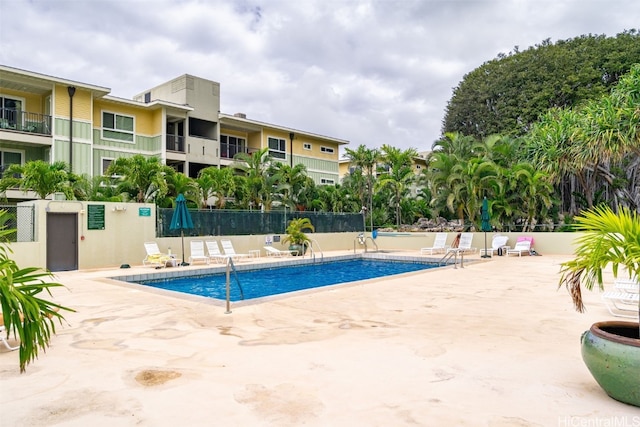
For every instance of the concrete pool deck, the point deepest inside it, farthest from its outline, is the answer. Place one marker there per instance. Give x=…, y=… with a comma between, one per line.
x=492, y=344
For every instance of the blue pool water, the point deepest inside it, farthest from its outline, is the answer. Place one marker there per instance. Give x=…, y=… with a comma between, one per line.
x=280, y=280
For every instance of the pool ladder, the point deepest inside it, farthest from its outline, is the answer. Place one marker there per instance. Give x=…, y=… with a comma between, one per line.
x=453, y=253
x=312, y=252
x=232, y=268
x=361, y=239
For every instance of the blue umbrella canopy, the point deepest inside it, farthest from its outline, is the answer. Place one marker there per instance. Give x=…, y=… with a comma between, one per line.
x=486, y=218
x=181, y=219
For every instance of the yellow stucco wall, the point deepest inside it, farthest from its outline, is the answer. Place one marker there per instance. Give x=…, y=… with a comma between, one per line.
x=147, y=122
x=316, y=144
x=32, y=103
x=82, y=100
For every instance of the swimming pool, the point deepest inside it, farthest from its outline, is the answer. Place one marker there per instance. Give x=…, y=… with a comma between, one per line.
x=264, y=282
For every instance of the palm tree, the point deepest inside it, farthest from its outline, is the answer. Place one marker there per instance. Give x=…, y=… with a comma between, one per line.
x=143, y=176
x=532, y=193
x=39, y=176
x=25, y=314
x=439, y=168
x=365, y=159
x=398, y=177
x=609, y=239
x=290, y=182
x=98, y=188
x=255, y=168
x=216, y=183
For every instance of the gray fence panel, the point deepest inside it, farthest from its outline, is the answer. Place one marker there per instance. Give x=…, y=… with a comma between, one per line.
x=237, y=223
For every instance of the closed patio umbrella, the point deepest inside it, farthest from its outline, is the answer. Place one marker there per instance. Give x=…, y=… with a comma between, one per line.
x=486, y=225
x=181, y=220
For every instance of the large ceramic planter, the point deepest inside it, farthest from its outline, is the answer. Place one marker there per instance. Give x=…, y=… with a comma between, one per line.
x=299, y=250
x=611, y=351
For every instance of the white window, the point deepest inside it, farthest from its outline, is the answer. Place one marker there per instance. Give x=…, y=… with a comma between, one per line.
x=306, y=146
x=117, y=127
x=277, y=148
x=328, y=181
x=327, y=150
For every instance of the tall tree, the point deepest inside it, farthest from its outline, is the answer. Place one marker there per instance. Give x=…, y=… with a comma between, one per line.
x=290, y=182
x=398, y=175
x=255, y=168
x=365, y=159
x=508, y=94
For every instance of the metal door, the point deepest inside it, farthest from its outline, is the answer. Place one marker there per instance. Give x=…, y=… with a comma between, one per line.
x=62, y=241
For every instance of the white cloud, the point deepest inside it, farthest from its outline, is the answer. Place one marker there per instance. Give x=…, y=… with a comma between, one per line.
x=371, y=71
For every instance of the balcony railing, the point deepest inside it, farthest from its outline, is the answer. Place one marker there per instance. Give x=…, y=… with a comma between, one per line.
x=175, y=143
x=228, y=151
x=24, y=121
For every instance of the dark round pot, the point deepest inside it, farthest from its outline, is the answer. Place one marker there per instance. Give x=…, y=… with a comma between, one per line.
x=301, y=249
x=611, y=351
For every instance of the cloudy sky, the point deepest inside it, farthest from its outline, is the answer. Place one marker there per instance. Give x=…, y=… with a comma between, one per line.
x=370, y=71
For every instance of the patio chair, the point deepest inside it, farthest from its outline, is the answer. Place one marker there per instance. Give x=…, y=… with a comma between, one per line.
x=197, y=252
x=3, y=338
x=227, y=248
x=157, y=259
x=439, y=245
x=271, y=251
x=464, y=244
x=498, y=242
x=621, y=303
x=523, y=245
x=628, y=285
x=214, y=252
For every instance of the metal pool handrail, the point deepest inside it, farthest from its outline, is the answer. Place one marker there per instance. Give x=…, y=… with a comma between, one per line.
x=453, y=253
x=312, y=251
x=363, y=241
x=231, y=267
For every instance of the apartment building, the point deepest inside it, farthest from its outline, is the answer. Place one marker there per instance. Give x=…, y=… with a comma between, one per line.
x=56, y=119
x=419, y=164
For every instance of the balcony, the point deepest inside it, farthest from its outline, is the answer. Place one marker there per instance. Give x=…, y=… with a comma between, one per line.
x=175, y=143
x=228, y=151
x=24, y=121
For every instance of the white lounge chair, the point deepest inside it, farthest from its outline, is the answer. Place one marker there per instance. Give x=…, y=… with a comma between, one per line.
x=155, y=258
x=464, y=244
x=227, y=248
x=271, y=251
x=197, y=252
x=3, y=338
x=439, y=245
x=497, y=243
x=522, y=246
x=628, y=285
x=621, y=303
x=214, y=252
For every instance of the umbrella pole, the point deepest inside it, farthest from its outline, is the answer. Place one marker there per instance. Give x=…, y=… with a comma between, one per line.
x=486, y=255
x=182, y=238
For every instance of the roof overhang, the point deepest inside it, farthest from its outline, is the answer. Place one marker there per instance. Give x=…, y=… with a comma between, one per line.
x=29, y=81
x=247, y=125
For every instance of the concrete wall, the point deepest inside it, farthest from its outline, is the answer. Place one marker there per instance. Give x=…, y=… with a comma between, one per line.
x=549, y=243
x=126, y=230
